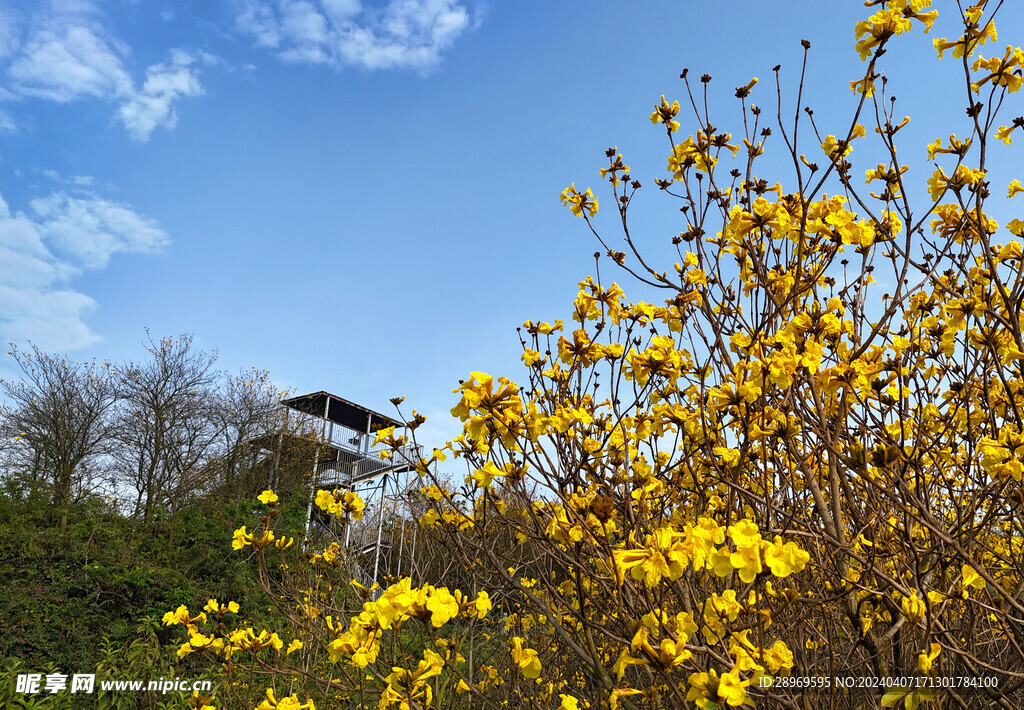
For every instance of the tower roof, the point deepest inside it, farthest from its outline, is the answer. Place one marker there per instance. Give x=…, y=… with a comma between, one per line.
x=340, y=411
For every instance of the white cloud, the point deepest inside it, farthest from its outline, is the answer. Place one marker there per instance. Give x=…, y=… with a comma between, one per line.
x=7, y=124
x=341, y=10
x=69, y=55
x=152, y=105
x=68, y=63
x=257, y=18
x=74, y=180
x=306, y=29
x=88, y=231
x=53, y=320
x=402, y=34
x=8, y=32
x=24, y=261
x=41, y=254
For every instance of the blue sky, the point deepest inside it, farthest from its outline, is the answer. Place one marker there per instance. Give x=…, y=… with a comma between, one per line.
x=362, y=197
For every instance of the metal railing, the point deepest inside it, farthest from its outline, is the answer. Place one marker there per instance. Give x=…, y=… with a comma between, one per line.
x=353, y=468
x=336, y=435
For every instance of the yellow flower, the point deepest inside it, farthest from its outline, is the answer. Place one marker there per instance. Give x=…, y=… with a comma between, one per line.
x=488, y=473
x=831, y=147
x=293, y=646
x=879, y=27
x=290, y=703
x=703, y=688
x=343, y=504
x=784, y=559
x=864, y=86
x=178, y=616
x=926, y=660
x=442, y=607
x=198, y=642
x=241, y=539
x=181, y=616
x=778, y=656
x=530, y=357
x=624, y=661
x=267, y=497
x=568, y=703
x=525, y=659
x=1015, y=188
x=745, y=533
x=720, y=561
x=578, y=202
x=691, y=153
x=747, y=561
x=613, y=699
x=665, y=113
x=971, y=578
x=913, y=608
x=432, y=492
x=383, y=435
x=615, y=167
x=482, y=605
x=1003, y=133
x=214, y=607
x=732, y=689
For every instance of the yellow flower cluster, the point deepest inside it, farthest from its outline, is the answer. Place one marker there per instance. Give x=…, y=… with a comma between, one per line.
x=1004, y=71
x=411, y=689
x=344, y=504
x=292, y=702
x=998, y=457
x=891, y=21
x=579, y=202
x=975, y=34
x=668, y=553
x=228, y=643
x=697, y=153
x=243, y=538
x=435, y=606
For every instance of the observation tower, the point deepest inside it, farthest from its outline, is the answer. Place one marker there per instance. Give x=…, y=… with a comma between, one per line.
x=347, y=459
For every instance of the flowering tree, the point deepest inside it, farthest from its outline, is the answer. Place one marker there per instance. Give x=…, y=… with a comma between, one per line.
x=798, y=469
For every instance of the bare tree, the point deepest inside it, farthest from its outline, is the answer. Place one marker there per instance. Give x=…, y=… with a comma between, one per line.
x=248, y=416
x=58, y=415
x=167, y=425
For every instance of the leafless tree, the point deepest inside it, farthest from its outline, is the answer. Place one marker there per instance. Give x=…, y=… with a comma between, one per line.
x=248, y=418
x=167, y=426
x=58, y=416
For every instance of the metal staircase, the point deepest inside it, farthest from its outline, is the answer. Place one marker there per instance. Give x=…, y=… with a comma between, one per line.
x=368, y=545
x=348, y=460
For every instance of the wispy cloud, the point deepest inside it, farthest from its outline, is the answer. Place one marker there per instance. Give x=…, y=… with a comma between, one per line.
x=75, y=180
x=42, y=251
x=153, y=104
x=68, y=63
x=68, y=54
x=8, y=32
x=88, y=231
x=401, y=34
